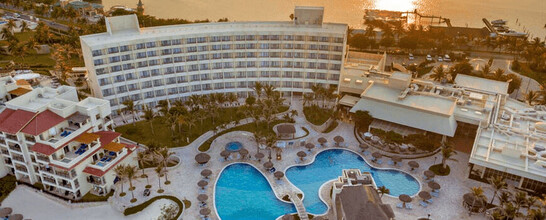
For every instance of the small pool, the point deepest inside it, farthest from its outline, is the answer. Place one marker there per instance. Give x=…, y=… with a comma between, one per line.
x=234, y=146
x=243, y=193
x=328, y=165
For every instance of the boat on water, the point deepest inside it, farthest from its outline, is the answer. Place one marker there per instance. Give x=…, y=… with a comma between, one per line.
x=512, y=33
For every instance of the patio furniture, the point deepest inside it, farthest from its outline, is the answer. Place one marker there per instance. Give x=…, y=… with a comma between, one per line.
x=309, y=146
x=435, y=194
x=6, y=211
x=396, y=159
x=338, y=139
x=322, y=141
x=424, y=204
x=243, y=152
x=413, y=165
x=206, y=173
x=409, y=206
x=202, y=184
x=400, y=205
x=278, y=175
x=301, y=155
x=429, y=174
x=425, y=196
x=146, y=192
x=112, y=153
x=268, y=165
x=405, y=199
x=202, y=158
x=259, y=156
x=434, y=186
x=204, y=211
x=202, y=198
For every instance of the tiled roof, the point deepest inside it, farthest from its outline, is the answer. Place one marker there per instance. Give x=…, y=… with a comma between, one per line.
x=42, y=122
x=5, y=114
x=98, y=173
x=14, y=122
x=43, y=149
x=19, y=91
x=87, y=138
x=107, y=136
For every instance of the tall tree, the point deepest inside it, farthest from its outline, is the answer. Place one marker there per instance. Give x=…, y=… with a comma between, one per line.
x=498, y=183
x=447, y=153
x=149, y=116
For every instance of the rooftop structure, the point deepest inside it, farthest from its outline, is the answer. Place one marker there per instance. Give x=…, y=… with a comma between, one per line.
x=50, y=137
x=355, y=197
x=10, y=88
x=173, y=62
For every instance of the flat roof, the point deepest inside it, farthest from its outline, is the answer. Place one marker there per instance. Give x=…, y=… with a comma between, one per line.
x=481, y=84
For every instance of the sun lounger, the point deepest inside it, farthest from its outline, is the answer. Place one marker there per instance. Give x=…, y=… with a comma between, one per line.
x=409, y=206
x=366, y=153
x=424, y=204
x=435, y=194
x=400, y=205
x=390, y=163
x=379, y=161
x=430, y=201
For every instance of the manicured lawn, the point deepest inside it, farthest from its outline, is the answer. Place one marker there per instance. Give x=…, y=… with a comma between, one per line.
x=526, y=71
x=141, y=132
x=251, y=127
x=7, y=184
x=138, y=208
x=32, y=59
x=330, y=128
x=316, y=115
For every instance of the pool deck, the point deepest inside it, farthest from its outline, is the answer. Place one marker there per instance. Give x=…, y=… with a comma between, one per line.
x=186, y=174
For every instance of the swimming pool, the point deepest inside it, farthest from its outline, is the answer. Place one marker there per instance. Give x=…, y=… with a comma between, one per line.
x=328, y=165
x=242, y=193
x=234, y=146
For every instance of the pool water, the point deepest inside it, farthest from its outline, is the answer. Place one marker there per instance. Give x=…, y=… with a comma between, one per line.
x=234, y=146
x=242, y=193
x=328, y=165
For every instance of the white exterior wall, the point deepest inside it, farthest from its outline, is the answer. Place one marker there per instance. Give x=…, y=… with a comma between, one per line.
x=194, y=67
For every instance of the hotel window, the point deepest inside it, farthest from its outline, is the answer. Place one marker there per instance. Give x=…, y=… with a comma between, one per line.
x=324, y=39
x=264, y=64
x=228, y=65
x=196, y=88
x=250, y=46
x=339, y=40
x=323, y=66
x=240, y=37
x=264, y=54
x=215, y=39
x=218, y=85
x=201, y=39
x=216, y=56
x=126, y=57
x=287, y=84
x=122, y=89
x=207, y=86
x=128, y=66
x=167, y=60
x=298, y=64
x=264, y=37
x=311, y=65
x=334, y=76
x=312, y=56
x=97, y=53
x=113, y=50
x=275, y=64
x=297, y=85
x=146, y=84
x=183, y=89
x=165, y=43
x=298, y=55
x=251, y=74
x=288, y=64
x=274, y=74
x=192, y=58
x=298, y=75
x=104, y=81
x=250, y=37
x=335, y=57
x=179, y=69
x=313, y=47
x=264, y=74
x=194, y=67
x=321, y=75
x=313, y=38
x=205, y=76
x=203, y=57
x=124, y=48
x=149, y=94
x=227, y=55
x=144, y=74
x=192, y=49
x=166, y=52
x=300, y=38
x=240, y=46
x=172, y=91
x=182, y=79
x=242, y=84
x=338, y=48
x=216, y=47
x=241, y=64
x=323, y=56
x=158, y=82
x=98, y=62
x=287, y=74
x=226, y=47
x=288, y=37
x=250, y=54
x=310, y=75
x=115, y=68
x=136, y=97
x=169, y=70
x=191, y=40
x=141, y=55
x=217, y=66
x=218, y=76
x=114, y=59
x=130, y=76
x=240, y=55
x=229, y=85
x=178, y=59
x=176, y=42
x=228, y=75
x=153, y=62
x=288, y=46
x=298, y=46
x=226, y=38
x=171, y=80
x=132, y=87
x=204, y=66
x=335, y=66
x=195, y=78
x=140, y=46
x=177, y=50
x=202, y=48
x=155, y=72
x=150, y=44
x=241, y=74
x=324, y=47
x=264, y=46
x=250, y=64
x=107, y=92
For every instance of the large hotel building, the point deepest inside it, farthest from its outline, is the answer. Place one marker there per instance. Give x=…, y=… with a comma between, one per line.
x=173, y=62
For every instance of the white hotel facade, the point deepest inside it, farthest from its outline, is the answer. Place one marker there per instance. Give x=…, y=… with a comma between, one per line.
x=173, y=62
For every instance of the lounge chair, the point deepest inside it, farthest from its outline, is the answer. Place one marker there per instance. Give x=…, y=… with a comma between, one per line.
x=409, y=206
x=435, y=194
x=379, y=161
x=109, y=159
x=430, y=200
x=390, y=163
x=400, y=205
x=366, y=153
x=424, y=204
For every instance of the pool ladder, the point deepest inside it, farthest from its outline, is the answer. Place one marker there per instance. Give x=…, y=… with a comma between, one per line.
x=302, y=213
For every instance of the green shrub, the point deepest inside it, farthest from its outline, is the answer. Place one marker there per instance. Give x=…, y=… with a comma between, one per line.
x=7, y=184
x=138, y=208
x=330, y=128
x=316, y=115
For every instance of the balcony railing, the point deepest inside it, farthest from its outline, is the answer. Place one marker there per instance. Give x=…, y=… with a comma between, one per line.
x=5, y=151
x=49, y=180
x=95, y=180
x=15, y=148
x=19, y=158
x=11, y=137
x=43, y=158
x=21, y=168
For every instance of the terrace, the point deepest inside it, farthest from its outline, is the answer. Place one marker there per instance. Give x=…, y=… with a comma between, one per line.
x=81, y=147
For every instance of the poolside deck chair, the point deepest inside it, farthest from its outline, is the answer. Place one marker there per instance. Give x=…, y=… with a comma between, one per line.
x=430, y=200
x=379, y=161
x=400, y=205
x=435, y=194
x=409, y=206
x=390, y=163
x=366, y=153
x=424, y=204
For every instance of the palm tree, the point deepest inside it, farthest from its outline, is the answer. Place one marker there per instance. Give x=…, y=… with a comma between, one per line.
x=232, y=98
x=520, y=199
x=486, y=70
x=543, y=93
x=498, y=74
x=149, y=116
x=121, y=173
x=7, y=34
x=130, y=173
x=163, y=155
x=11, y=24
x=447, y=153
x=477, y=192
x=143, y=157
x=383, y=190
x=159, y=171
x=24, y=27
x=130, y=107
x=532, y=97
x=498, y=183
x=536, y=214
x=438, y=73
x=258, y=89
x=307, y=98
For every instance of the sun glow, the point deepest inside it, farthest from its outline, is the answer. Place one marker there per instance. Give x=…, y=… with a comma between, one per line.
x=395, y=5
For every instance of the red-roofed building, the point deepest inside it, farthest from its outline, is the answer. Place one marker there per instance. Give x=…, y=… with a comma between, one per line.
x=42, y=122
x=16, y=121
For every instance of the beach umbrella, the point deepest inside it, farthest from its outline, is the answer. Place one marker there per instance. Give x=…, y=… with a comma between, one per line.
x=206, y=173
x=405, y=198
x=301, y=154
x=259, y=156
x=204, y=211
x=429, y=174
x=413, y=164
x=279, y=175
x=225, y=154
x=287, y=217
x=377, y=155
x=425, y=195
x=338, y=139
x=202, y=184
x=243, y=152
x=268, y=165
x=5, y=211
x=309, y=146
x=363, y=146
x=472, y=201
x=16, y=217
x=434, y=185
x=396, y=159
x=202, y=197
x=202, y=158
x=322, y=140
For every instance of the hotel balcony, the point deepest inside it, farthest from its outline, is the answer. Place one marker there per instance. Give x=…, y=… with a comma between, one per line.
x=68, y=133
x=11, y=137
x=42, y=158
x=58, y=172
x=5, y=151
x=18, y=158
x=49, y=180
x=96, y=180
x=21, y=168
x=82, y=147
x=15, y=147
x=7, y=161
x=111, y=154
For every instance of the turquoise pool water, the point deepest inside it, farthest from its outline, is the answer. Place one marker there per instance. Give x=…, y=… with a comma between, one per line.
x=234, y=146
x=328, y=165
x=243, y=193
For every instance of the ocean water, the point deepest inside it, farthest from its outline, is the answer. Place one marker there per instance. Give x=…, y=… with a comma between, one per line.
x=529, y=15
